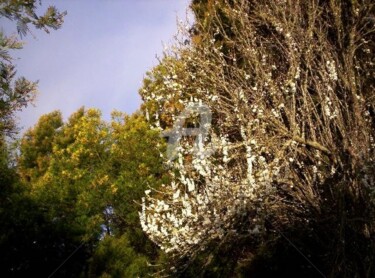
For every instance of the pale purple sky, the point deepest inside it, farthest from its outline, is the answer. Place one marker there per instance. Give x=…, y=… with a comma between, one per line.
x=100, y=55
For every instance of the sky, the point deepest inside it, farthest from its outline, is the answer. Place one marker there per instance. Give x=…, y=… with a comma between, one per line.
x=99, y=57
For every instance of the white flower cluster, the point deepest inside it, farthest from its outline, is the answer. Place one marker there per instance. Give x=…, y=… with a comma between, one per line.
x=331, y=67
x=329, y=109
x=206, y=194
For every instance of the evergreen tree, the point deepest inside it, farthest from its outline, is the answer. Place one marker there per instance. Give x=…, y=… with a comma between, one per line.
x=135, y=165
x=16, y=94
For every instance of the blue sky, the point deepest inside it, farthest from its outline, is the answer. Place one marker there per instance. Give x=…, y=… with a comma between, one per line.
x=99, y=57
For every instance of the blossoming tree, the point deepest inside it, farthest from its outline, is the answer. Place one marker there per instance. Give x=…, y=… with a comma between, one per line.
x=290, y=88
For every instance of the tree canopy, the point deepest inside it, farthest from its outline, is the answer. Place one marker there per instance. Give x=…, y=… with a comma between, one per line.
x=252, y=153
